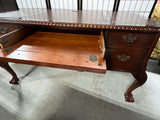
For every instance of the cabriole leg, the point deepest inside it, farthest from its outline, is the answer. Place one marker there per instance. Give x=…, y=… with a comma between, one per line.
x=140, y=79
x=6, y=66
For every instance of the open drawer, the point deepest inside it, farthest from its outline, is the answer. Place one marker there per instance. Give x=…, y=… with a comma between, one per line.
x=62, y=50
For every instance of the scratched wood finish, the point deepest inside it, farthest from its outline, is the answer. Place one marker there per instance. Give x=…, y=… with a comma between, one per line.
x=61, y=50
x=140, y=40
x=81, y=19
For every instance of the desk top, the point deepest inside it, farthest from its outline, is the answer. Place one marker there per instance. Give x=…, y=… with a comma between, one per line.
x=81, y=19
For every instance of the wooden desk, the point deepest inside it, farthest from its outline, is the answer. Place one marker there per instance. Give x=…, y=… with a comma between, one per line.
x=91, y=41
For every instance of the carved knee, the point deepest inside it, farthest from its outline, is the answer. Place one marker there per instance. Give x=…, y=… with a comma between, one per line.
x=140, y=77
x=3, y=64
x=6, y=66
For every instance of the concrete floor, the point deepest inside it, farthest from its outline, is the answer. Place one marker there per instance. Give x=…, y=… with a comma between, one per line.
x=56, y=94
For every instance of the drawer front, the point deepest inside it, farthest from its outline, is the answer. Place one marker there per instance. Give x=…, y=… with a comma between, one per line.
x=4, y=28
x=124, y=59
x=138, y=40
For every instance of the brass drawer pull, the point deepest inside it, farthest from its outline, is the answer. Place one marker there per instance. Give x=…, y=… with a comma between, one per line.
x=123, y=58
x=93, y=58
x=101, y=49
x=4, y=30
x=129, y=38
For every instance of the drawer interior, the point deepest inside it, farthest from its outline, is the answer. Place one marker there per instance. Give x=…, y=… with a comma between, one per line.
x=62, y=50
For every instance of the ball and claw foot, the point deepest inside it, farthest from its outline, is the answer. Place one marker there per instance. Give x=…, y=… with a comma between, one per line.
x=140, y=79
x=129, y=97
x=14, y=81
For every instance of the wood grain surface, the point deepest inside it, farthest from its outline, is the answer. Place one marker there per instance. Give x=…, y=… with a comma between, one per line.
x=70, y=51
x=81, y=19
x=15, y=36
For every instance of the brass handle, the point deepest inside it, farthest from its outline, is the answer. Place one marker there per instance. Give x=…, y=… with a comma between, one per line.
x=124, y=58
x=101, y=49
x=129, y=38
x=93, y=58
x=4, y=30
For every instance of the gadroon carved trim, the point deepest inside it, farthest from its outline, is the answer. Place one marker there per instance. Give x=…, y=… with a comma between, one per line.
x=77, y=25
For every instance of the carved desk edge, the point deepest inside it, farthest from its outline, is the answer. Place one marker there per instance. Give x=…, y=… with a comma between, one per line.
x=83, y=25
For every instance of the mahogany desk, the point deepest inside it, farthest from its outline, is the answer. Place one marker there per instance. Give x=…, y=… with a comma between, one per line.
x=92, y=41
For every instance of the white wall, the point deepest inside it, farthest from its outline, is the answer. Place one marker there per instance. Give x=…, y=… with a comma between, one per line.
x=31, y=3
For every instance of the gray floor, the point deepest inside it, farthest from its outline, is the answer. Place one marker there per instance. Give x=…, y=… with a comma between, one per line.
x=153, y=67
x=56, y=94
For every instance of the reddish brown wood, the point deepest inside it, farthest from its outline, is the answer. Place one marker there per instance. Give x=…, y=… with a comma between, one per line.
x=140, y=40
x=81, y=19
x=6, y=66
x=136, y=54
x=116, y=62
x=69, y=51
x=101, y=44
x=140, y=79
x=73, y=51
x=138, y=51
x=15, y=36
